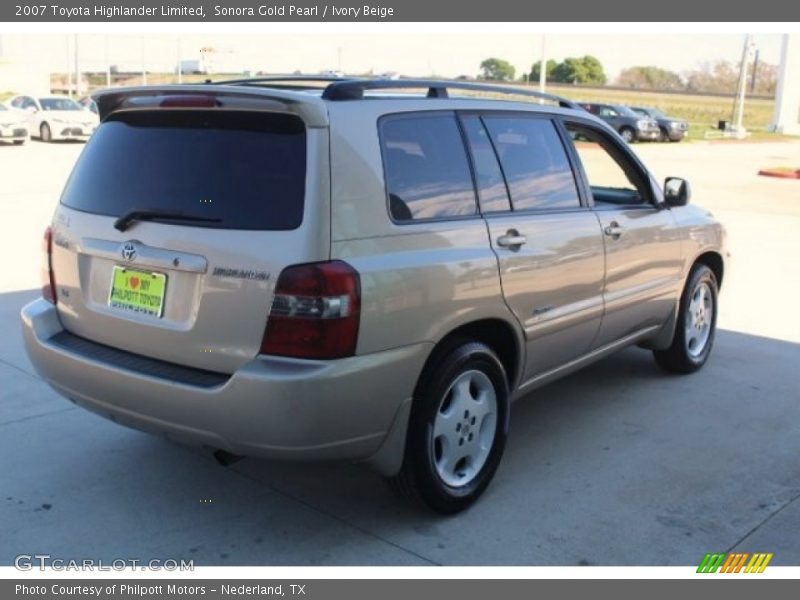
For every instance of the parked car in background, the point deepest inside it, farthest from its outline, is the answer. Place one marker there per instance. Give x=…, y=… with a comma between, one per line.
x=360, y=273
x=631, y=126
x=53, y=118
x=672, y=130
x=87, y=103
x=13, y=126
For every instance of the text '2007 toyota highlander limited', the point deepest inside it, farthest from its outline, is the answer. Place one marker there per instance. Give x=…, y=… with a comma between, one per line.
x=278, y=270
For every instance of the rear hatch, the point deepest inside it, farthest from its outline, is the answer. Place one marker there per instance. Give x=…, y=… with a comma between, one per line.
x=226, y=198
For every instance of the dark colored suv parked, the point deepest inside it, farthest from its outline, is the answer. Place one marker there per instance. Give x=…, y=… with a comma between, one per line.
x=673, y=130
x=631, y=126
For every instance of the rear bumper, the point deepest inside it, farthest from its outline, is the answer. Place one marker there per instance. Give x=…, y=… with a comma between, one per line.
x=271, y=407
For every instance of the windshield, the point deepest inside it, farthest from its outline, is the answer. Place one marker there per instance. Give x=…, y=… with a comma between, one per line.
x=245, y=169
x=58, y=104
x=624, y=110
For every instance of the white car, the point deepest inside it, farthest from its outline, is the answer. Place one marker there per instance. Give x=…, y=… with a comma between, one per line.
x=55, y=117
x=13, y=126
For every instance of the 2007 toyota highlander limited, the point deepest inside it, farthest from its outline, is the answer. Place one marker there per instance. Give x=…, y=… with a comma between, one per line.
x=357, y=270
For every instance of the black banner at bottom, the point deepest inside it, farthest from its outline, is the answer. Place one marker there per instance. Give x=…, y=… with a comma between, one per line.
x=732, y=587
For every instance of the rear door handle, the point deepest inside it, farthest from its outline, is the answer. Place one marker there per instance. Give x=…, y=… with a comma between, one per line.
x=512, y=239
x=613, y=230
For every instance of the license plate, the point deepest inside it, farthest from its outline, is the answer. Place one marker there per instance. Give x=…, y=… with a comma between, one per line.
x=137, y=291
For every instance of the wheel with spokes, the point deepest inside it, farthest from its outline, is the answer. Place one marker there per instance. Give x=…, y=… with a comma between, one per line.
x=696, y=326
x=457, y=430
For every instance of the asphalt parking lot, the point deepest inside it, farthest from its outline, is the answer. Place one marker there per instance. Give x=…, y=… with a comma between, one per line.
x=617, y=465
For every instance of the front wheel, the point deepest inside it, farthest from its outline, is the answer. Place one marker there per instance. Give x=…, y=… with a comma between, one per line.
x=457, y=431
x=45, y=133
x=628, y=134
x=696, y=326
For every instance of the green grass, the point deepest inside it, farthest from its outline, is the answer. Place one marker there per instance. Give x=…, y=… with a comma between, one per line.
x=702, y=112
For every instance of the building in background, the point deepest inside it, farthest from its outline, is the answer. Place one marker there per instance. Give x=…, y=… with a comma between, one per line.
x=786, y=118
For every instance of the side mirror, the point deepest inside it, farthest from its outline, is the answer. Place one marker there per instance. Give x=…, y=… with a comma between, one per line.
x=677, y=191
x=31, y=109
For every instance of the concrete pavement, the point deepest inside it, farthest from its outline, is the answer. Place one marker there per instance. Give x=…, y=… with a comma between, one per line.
x=617, y=465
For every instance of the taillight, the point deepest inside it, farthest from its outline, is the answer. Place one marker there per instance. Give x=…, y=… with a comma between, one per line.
x=315, y=312
x=48, y=279
x=189, y=101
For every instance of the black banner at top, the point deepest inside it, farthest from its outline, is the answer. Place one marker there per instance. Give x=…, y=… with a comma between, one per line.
x=84, y=11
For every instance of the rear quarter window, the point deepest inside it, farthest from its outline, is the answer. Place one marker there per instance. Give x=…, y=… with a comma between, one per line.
x=426, y=168
x=246, y=169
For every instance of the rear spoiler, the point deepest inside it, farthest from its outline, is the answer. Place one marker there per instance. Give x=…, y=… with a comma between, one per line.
x=311, y=108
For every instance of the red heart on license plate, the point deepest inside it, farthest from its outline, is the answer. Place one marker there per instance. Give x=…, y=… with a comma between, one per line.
x=134, y=281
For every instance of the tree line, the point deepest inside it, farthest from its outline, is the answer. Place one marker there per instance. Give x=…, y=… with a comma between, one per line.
x=714, y=77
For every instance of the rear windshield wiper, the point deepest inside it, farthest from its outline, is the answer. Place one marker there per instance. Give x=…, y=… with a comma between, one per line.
x=144, y=214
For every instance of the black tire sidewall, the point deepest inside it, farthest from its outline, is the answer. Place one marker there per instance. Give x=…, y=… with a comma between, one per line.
x=44, y=127
x=700, y=273
x=435, y=492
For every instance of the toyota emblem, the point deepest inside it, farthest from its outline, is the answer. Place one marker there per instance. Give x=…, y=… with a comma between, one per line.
x=129, y=251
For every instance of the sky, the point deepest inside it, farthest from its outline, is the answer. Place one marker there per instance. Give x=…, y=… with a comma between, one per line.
x=447, y=55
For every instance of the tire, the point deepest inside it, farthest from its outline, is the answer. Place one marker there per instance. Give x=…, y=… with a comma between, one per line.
x=19, y=142
x=663, y=135
x=463, y=394
x=628, y=134
x=696, y=326
x=44, y=133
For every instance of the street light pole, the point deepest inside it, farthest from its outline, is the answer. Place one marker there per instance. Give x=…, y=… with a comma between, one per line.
x=742, y=89
x=543, y=66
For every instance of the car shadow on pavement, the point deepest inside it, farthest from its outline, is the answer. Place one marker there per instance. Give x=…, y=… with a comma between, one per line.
x=617, y=464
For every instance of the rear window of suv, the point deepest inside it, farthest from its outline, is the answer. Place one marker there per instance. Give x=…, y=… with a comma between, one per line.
x=245, y=169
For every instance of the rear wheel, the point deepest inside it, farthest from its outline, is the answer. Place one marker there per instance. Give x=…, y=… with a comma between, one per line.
x=697, y=323
x=628, y=134
x=45, y=133
x=458, y=429
x=19, y=142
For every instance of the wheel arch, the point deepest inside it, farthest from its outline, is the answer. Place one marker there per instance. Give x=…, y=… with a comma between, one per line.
x=498, y=334
x=714, y=261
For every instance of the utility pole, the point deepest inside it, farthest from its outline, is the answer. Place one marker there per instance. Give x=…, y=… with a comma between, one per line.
x=77, y=69
x=543, y=65
x=741, y=132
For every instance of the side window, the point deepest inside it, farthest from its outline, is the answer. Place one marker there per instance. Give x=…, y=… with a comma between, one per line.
x=535, y=163
x=607, y=111
x=613, y=178
x=492, y=191
x=426, y=168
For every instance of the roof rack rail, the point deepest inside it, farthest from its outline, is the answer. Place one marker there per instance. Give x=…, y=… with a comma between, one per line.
x=353, y=89
x=287, y=80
